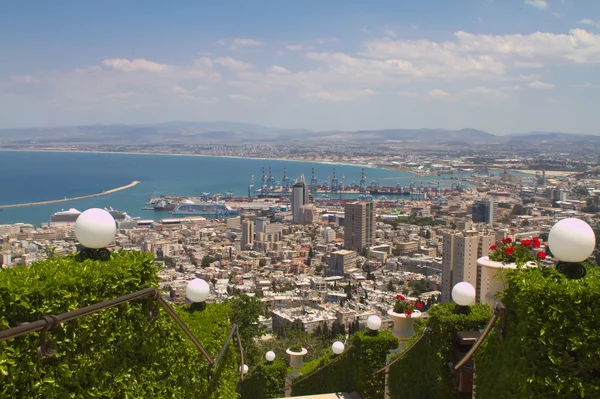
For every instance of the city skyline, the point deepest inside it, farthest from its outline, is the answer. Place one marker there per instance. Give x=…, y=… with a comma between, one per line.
x=502, y=67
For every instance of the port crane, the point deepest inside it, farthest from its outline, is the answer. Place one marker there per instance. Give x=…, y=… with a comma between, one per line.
x=251, y=188
x=313, y=181
x=363, y=182
x=334, y=182
x=285, y=182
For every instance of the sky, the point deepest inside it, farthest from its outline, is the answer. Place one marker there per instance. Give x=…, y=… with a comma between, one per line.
x=503, y=66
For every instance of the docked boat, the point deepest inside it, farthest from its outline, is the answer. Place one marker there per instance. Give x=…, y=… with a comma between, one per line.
x=164, y=205
x=70, y=216
x=65, y=217
x=216, y=209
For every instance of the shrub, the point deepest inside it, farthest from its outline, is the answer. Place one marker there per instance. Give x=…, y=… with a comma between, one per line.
x=338, y=376
x=265, y=381
x=552, y=343
x=355, y=371
x=115, y=353
x=423, y=372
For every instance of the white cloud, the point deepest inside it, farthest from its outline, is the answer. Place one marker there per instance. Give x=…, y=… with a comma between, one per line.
x=123, y=64
x=239, y=97
x=232, y=64
x=298, y=47
x=537, y=84
x=179, y=90
x=342, y=95
x=438, y=93
x=589, y=85
x=120, y=95
x=236, y=43
x=541, y=4
x=389, y=32
x=279, y=69
x=590, y=22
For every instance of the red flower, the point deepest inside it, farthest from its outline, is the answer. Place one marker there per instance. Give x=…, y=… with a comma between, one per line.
x=541, y=255
x=408, y=312
x=536, y=243
x=493, y=247
x=506, y=240
x=401, y=297
x=510, y=250
x=419, y=305
x=512, y=231
x=526, y=243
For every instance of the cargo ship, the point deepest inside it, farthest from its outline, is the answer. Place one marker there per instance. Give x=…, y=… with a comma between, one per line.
x=390, y=192
x=217, y=209
x=164, y=205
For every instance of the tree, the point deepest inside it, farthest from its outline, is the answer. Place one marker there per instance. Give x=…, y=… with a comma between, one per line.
x=207, y=260
x=390, y=286
x=245, y=312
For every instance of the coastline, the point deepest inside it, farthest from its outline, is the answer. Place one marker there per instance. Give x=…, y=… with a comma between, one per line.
x=108, y=192
x=213, y=156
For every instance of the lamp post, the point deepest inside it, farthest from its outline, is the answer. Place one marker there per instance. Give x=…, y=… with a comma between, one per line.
x=337, y=348
x=571, y=241
x=95, y=229
x=374, y=323
x=463, y=294
x=270, y=356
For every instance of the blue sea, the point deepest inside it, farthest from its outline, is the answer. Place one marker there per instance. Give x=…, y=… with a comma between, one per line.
x=40, y=176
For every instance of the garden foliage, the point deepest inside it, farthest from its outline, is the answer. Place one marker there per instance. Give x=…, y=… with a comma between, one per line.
x=116, y=353
x=552, y=343
x=423, y=373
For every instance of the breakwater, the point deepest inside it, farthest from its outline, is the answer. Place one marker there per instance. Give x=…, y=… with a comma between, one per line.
x=114, y=190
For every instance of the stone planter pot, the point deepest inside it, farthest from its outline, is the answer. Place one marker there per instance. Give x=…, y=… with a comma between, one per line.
x=493, y=278
x=403, y=325
x=296, y=358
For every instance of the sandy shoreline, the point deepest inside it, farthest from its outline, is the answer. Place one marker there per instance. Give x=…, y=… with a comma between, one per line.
x=199, y=155
x=114, y=190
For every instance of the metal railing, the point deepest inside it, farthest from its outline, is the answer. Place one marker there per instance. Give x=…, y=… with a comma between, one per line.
x=499, y=311
x=50, y=322
x=426, y=331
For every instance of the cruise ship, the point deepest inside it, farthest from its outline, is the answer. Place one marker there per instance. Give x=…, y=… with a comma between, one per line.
x=70, y=216
x=217, y=209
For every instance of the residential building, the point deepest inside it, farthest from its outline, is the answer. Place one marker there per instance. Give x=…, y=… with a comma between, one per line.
x=459, y=260
x=359, y=223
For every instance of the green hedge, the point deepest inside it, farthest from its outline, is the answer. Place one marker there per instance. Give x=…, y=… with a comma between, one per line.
x=423, y=373
x=115, y=353
x=265, y=381
x=339, y=376
x=552, y=343
x=354, y=372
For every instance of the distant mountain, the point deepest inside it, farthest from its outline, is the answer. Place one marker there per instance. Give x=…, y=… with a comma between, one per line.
x=175, y=133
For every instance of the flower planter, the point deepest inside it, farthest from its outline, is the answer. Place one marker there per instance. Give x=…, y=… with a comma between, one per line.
x=493, y=278
x=403, y=324
x=296, y=358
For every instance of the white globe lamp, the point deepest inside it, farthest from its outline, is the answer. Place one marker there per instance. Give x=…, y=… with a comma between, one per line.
x=95, y=228
x=337, y=347
x=244, y=369
x=571, y=240
x=270, y=356
x=373, y=323
x=197, y=290
x=463, y=294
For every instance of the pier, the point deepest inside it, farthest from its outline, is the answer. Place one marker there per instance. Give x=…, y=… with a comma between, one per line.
x=114, y=190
